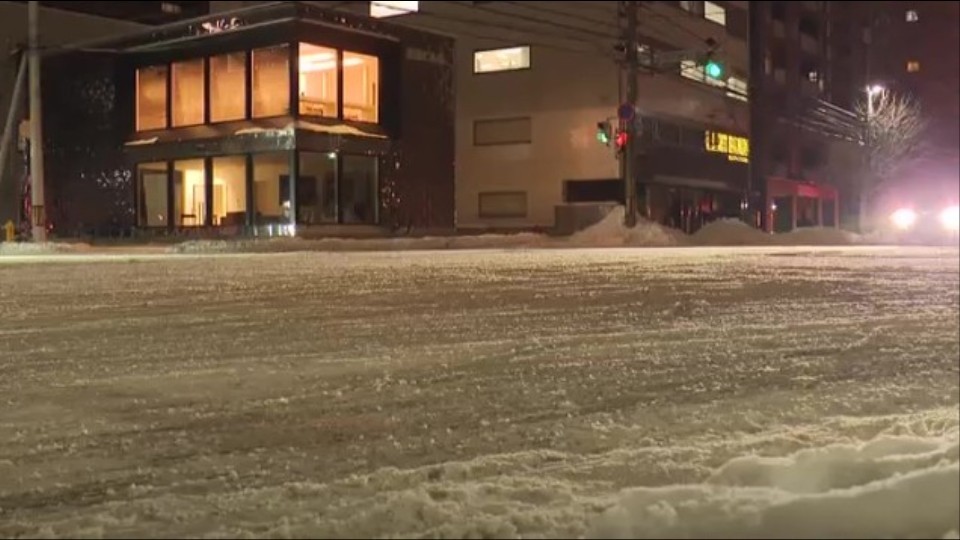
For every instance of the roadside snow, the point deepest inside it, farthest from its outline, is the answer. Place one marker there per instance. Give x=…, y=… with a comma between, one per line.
x=611, y=232
x=731, y=232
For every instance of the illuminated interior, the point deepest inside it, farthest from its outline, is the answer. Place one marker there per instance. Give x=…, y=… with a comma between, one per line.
x=318, y=81
x=361, y=81
x=189, y=193
x=152, y=98
x=187, y=82
x=271, y=82
x=228, y=87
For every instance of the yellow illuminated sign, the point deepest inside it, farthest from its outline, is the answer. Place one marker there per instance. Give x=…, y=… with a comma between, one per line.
x=736, y=148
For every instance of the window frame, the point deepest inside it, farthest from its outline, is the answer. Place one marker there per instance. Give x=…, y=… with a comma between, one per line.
x=528, y=67
x=293, y=48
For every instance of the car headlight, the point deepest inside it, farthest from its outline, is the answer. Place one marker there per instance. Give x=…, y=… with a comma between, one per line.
x=904, y=218
x=950, y=218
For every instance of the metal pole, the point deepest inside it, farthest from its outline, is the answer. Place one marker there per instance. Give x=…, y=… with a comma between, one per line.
x=36, y=126
x=628, y=163
x=12, y=114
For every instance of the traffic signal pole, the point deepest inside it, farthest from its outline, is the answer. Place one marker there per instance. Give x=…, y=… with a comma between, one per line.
x=628, y=159
x=36, y=126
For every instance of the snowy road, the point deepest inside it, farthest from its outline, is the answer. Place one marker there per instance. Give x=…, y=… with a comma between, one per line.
x=777, y=392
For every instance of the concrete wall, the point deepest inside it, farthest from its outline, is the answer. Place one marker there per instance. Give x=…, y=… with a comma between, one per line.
x=58, y=28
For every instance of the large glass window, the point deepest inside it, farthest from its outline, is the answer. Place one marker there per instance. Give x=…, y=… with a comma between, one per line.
x=230, y=191
x=189, y=193
x=318, y=81
x=152, y=98
x=152, y=195
x=358, y=190
x=317, y=188
x=188, y=93
x=271, y=82
x=270, y=172
x=228, y=83
x=361, y=82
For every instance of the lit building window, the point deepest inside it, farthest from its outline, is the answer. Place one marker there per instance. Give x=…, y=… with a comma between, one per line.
x=230, y=191
x=737, y=89
x=152, y=98
x=188, y=89
x=715, y=13
x=361, y=87
x=912, y=15
x=190, y=193
x=228, y=87
x=913, y=66
x=380, y=9
x=318, y=81
x=271, y=82
x=501, y=60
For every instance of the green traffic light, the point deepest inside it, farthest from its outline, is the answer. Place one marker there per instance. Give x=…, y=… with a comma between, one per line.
x=714, y=70
x=603, y=137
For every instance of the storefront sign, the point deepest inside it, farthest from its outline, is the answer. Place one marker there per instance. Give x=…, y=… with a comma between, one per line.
x=736, y=148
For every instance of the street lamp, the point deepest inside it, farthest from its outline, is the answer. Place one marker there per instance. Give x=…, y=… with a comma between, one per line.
x=873, y=90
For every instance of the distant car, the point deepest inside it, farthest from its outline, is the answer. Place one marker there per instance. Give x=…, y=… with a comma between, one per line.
x=912, y=223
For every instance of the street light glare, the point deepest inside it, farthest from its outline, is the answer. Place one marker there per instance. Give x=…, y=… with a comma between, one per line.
x=874, y=89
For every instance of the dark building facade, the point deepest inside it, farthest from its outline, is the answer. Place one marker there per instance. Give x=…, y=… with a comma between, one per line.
x=138, y=11
x=274, y=120
x=803, y=86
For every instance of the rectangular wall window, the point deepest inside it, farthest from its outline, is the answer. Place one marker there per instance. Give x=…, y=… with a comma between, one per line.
x=188, y=90
x=715, y=13
x=152, y=195
x=361, y=87
x=358, y=190
x=502, y=131
x=269, y=172
x=737, y=89
x=503, y=205
x=189, y=193
x=228, y=87
x=230, y=191
x=271, y=82
x=317, y=188
x=318, y=81
x=151, y=98
x=509, y=59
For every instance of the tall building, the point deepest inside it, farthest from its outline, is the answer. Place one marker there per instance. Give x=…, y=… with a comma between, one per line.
x=914, y=48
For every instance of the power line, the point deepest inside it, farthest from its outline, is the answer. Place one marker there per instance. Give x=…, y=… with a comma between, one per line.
x=597, y=51
x=611, y=23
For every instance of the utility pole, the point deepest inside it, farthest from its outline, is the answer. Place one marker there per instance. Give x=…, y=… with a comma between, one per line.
x=38, y=213
x=9, y=126
x=628, y=160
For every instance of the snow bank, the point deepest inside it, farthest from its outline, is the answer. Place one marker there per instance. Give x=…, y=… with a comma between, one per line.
x=611, y=232
x=888, y=488
x=731, y=232
x=818, y=236
x=29, y=248
x=282, y=245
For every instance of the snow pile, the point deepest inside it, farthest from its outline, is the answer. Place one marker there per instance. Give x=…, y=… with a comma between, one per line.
x=30, y=248
x=819, y=236
x=286, y=245
x=888, y=488
x=611, y=232
x=731, y=232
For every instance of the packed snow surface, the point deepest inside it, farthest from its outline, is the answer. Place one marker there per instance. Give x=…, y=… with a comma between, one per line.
x=756, y=392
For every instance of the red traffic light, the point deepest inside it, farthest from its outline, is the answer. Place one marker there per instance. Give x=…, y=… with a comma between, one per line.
x=621, y=140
